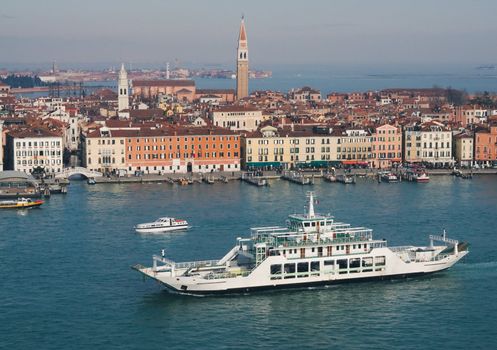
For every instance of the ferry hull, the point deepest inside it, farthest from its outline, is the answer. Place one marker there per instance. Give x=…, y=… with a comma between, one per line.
x=258, y=280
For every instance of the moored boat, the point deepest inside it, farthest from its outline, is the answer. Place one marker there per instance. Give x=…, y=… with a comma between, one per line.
x=21, y=203
x=312, y=250
x=345, y=179
x=164, y=224
x=389, y=177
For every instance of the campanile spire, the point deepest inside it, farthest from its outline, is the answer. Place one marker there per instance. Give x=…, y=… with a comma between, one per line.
x=242, y=62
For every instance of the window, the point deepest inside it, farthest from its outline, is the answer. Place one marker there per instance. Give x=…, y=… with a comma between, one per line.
x=355, y=263
x=315, y=266
x=329, y=263
x=379, y=261
x=342, y=263
x=303, y=267
x=289, y=269
x=276, y=269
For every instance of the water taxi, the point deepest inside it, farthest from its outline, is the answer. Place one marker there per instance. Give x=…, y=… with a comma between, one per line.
x=21, y=203
x=164, y=224
x=312, y=250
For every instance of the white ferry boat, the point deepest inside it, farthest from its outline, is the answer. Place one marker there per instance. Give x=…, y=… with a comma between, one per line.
x=312, y=250
x=162, y=225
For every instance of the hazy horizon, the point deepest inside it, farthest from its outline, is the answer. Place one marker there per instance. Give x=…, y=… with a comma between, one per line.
x=384, y=32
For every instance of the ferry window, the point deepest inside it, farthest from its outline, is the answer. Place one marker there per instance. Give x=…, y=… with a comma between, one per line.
x=313, y=250
x=322, y=223
x=359, y=246
x=329, y=262
x=275, y=269
x=366, y=262
x=328, y=222
x=303, y=267
x=289, y=268
x=354, y=263
x=353, y=246
x=315, y=266
x=313, y=224
x=379, y=261
x=307, y=224
x=342, y=263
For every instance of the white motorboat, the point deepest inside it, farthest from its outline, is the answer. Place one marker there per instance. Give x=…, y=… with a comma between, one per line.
x=164, y=224
x=312, y=250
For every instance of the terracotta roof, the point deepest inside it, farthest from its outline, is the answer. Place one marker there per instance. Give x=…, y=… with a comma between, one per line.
x=35, y=132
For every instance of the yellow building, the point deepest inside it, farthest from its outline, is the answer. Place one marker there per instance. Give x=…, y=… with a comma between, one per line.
x=290, y=147
x=354, y=147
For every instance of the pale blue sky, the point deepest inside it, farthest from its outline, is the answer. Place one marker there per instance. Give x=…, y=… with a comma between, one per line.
x=290, y=32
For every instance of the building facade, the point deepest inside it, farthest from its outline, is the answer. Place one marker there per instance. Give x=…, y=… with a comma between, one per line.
x=242, y=66
x=290, y=147
x=387, y=146
x=103, y=150
x=237, y=118
x=29, y=149
x=1, y=145
x=355, y=147
x=486, y=146
x=430, y=142
x=161, y=151
x=464, y=149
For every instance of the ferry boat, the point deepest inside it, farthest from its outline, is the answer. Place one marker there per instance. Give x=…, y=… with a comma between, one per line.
x=21, y=203
x=312, y=250
x=164, y=224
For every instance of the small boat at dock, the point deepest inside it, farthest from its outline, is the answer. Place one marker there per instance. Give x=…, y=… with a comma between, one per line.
x=21, y=203
x=164, y=224
x=297, y=177
x=389, y=177
x=346, y=179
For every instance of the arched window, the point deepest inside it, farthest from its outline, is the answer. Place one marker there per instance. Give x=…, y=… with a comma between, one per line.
x=241, y=55
x=245, y=55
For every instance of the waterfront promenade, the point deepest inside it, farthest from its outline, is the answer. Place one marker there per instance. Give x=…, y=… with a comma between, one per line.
x=269, y=175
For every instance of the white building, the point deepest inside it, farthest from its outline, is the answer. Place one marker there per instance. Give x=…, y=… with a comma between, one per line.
x=103, y=151
x=29, y=149
x=123, y=93
x=429, y=142
x=237, y=118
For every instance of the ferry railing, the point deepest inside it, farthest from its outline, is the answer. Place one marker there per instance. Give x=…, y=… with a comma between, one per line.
x=195, y=264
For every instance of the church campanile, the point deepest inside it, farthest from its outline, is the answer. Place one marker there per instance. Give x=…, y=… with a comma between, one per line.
x=242, y=63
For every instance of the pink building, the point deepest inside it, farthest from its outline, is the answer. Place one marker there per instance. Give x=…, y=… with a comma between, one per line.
x=387, y=146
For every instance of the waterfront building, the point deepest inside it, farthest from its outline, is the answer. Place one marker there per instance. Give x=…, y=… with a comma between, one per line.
x=237, y=118
x=123, y=93
x=32, y=148
x=387, y=146
x=355, y=147
x=242, y=68
x=182, y=150
x=290, y=146
x=486, y=146
x=103, y=150
x=464, y=148
x=430, y=142
x=150, y=89
x=1, y=145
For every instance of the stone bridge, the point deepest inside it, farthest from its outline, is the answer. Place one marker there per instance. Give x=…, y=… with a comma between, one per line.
x=67, y=172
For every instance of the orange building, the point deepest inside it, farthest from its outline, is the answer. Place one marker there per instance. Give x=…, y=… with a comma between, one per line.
x=486, y=146
x=181, y=150
x=387, y=146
